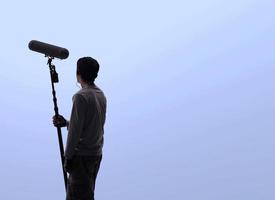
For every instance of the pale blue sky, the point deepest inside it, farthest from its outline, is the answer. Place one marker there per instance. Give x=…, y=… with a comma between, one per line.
x=190, y=88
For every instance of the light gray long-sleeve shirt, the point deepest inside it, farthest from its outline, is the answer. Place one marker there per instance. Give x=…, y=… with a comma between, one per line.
x=86, y=125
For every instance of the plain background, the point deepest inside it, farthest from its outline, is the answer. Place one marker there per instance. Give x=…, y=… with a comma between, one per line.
x=190, y=88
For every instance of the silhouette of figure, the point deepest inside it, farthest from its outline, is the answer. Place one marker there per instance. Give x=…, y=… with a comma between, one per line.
x=83, y=151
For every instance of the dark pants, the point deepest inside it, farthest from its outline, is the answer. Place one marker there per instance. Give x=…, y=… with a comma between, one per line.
x=82, y=177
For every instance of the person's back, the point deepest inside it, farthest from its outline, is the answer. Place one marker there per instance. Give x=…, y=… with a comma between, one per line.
x=92, y=102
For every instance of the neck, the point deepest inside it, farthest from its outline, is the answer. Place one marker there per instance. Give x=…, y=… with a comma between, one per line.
x=85, y=85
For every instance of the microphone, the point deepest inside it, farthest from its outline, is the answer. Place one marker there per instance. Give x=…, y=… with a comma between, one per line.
x=48, y=49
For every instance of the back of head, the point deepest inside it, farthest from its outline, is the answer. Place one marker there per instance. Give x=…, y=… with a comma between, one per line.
x=87, y=68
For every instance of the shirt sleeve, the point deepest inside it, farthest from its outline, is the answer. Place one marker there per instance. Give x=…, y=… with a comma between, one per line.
x=76, y=125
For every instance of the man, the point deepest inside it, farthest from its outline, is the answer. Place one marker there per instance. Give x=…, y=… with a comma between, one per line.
x=83, y=151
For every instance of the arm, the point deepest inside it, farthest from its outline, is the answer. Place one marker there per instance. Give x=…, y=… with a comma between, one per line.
x=75, y=125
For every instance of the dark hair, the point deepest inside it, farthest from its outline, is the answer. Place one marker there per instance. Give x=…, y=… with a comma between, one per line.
x=87, y=68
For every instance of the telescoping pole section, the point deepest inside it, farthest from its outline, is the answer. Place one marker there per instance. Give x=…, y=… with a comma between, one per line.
x=54, y=79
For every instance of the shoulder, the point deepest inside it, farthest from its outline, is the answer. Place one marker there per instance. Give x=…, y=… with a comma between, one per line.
x=78, y=97
x=99, y=91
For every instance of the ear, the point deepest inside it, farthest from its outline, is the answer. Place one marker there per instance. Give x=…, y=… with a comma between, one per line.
x=78, y=78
